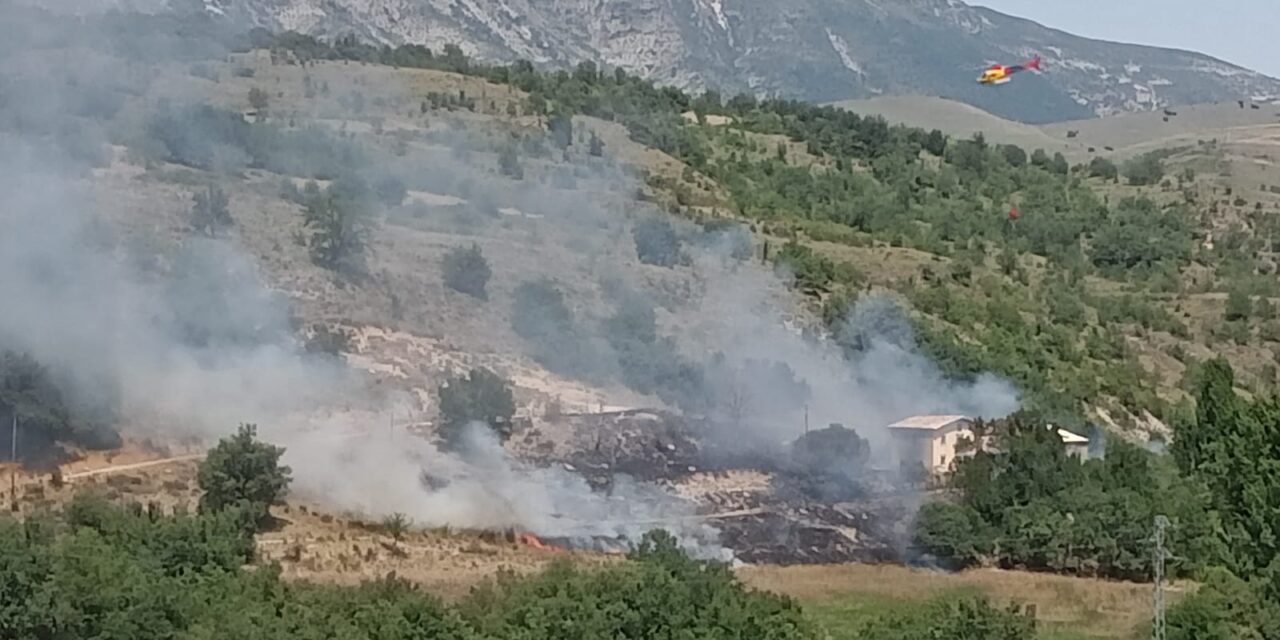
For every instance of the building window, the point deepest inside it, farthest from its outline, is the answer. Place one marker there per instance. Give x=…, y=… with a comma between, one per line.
x=944, y=460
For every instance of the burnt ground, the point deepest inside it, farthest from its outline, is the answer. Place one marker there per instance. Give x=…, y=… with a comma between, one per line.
x=766, y=508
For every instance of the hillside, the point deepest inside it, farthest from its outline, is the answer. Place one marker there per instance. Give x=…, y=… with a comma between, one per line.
x=963, y=121
x=450, y=140
x=1118, y=137
x=488, y=312
x=810, y=49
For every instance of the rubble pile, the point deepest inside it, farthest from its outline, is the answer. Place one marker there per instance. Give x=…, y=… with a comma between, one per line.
x=647, y=445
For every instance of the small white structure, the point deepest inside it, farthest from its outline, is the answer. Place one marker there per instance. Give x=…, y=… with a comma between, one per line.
x=1076, y=444
x=932, y=440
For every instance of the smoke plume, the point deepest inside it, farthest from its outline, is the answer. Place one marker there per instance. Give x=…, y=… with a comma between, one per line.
x=194, y=342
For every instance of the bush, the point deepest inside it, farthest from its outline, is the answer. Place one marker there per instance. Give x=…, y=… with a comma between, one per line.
x=242, y=473
x=481, y=396
x=662, y=593
x=971, y=618
x=466, y=271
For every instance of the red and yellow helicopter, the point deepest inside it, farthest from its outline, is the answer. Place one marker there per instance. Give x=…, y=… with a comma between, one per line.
x=1000, y=73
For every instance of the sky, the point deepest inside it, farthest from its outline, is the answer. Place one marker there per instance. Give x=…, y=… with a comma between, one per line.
x=1242, y=32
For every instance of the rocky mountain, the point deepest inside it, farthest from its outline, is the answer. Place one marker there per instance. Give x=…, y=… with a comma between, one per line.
x=813, y=49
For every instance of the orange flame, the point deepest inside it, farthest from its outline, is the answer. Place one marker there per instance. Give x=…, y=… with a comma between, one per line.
x=529, y=540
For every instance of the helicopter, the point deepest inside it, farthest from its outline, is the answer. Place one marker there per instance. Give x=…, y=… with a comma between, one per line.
x=1001, y=73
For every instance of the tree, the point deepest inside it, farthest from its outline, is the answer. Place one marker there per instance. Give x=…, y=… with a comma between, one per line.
x=1014, y=155
x=481, y=396
x=1060, y=165
x=561, y=127
x=1100, y=167
x=391, y=191
x=1145, y=169
x=209, y=213
x=1040, y=159
x=936, y=143
x=509, y=163
x=656, y=242
x=466, y=271
x=832, y=451
x=339, y=226
x=258, y=99
x=243, y=473
x=1239, y=305
x=396, y=525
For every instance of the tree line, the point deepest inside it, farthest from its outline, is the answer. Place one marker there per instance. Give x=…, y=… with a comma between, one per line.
x=1025, y=503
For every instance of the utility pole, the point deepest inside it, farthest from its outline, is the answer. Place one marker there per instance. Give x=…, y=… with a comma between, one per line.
x=13, y=460
x=1158, y=627
x=806, y=419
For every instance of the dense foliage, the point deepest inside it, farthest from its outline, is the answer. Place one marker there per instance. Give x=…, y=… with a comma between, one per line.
x=1023, y=502
x=1232, y=446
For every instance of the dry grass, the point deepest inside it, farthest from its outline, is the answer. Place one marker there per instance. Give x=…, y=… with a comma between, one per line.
x=313, y=545
x=1085, y=607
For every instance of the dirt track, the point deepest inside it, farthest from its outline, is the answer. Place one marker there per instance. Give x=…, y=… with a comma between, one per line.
x=134, y=466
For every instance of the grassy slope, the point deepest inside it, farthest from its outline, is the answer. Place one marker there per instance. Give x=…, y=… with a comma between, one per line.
x=963, y=120
x=840, y=596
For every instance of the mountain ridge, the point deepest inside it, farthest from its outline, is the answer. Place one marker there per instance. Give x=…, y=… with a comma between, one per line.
x=808, y=49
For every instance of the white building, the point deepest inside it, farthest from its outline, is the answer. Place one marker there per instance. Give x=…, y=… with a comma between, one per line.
x=932, y=441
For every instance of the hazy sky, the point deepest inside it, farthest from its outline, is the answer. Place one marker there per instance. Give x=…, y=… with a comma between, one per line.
x=1244, y=32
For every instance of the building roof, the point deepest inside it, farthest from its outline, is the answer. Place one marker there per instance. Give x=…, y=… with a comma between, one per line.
x=927, y=423
x=1071, y=438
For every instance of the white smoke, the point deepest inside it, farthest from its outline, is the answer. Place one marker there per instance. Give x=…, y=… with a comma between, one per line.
x=483, y=487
